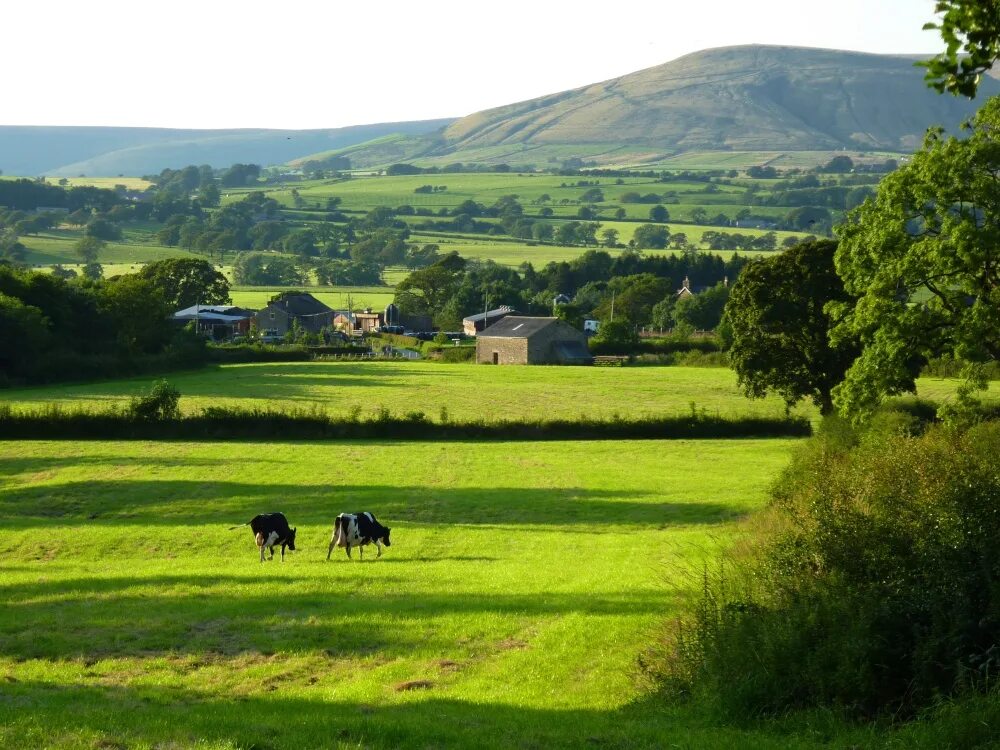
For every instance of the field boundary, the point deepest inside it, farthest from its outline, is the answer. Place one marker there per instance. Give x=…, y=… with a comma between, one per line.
x=215, y=423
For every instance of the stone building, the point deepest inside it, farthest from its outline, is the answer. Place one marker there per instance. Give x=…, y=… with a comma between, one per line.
x=473, y=324
x=276, y=319
x=518, y=340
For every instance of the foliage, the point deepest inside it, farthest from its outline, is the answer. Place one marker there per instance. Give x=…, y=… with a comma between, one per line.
x=702, y=311
x=260, y=269
x=920, y=257
x=780, y=326
x=871, y=587
x=970, y=30
x=159, y=404
x=184, y=282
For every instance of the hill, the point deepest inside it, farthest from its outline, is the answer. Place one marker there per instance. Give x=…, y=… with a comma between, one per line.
x=106, y=151
x=748, y=98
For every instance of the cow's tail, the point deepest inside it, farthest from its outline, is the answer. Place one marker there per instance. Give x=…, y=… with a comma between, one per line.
x=338, y=530
x=231, y=528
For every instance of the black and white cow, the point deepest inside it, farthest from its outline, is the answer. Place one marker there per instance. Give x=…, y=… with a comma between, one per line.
x=357, y=530
x=270, y=529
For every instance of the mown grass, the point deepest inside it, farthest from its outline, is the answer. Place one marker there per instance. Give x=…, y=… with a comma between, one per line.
x=522, y=584
x=465, y=391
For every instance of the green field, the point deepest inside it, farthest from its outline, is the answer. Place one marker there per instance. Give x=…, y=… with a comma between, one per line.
x=523, y=582
x=48, y=249
x=376, y=297
x=467, y=391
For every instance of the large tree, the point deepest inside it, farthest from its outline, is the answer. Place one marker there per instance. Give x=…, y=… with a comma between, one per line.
x=923, y=257
x=970, y=30
x=187, y=281
x=779, y=326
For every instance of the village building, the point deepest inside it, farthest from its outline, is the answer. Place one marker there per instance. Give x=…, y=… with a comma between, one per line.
x=518, y=340
x=218, y=322
x=473, y=324
x=278, y=317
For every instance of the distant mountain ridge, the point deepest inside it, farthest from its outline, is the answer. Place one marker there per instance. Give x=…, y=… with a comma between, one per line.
x=746, y=98
x=108, y=151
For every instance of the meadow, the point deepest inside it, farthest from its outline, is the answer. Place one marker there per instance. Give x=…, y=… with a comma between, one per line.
x=522, y=585
x=466, y=391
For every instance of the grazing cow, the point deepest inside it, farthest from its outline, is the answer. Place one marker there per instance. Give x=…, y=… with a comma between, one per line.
x=270, y=529
x=357, y=530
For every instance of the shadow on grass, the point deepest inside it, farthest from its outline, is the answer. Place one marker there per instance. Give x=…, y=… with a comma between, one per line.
x=343, y=616
x=169, y=716
x=202, y=503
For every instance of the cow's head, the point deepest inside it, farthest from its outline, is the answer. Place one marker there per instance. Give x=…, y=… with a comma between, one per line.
x=385, y=538
x=291, y=540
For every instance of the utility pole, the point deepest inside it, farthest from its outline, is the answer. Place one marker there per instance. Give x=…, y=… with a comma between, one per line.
x=612, y=306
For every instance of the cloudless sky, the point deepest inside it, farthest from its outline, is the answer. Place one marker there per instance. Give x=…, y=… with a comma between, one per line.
x=306, y=64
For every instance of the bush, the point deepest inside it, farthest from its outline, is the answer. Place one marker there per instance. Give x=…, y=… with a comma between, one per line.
x=160, y=403
x=872, y=585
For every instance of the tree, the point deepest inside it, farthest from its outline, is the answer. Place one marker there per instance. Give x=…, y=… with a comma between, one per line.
x=609, y=237
x=102, y=229
x=89, y=247
x=780, y=326
x=659, y=214
x=425, y=292
x=702, y=312
x=699, y=215
x=651, y=236
x=970, y=30
x=921, y=257
x=187, y=281
x=140, y=314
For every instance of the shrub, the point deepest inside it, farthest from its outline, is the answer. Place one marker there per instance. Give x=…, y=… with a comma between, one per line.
x=159, y=404
x=872, y=585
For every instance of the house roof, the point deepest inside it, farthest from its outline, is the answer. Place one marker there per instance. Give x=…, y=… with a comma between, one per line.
x=518, y=327
x=213, y=312
x=301, y=304
x=498, y=313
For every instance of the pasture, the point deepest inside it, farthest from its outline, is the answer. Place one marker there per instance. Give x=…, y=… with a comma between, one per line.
x=466, y=391
x=335, y=297
x=522, y=585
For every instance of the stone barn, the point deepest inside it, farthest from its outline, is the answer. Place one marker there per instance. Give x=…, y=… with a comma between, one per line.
x=518, y=340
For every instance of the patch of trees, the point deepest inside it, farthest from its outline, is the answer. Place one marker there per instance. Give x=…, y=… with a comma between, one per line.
x=28, y=195
x=53, y=329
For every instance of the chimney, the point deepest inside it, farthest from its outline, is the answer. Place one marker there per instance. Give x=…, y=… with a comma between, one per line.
x=687, y=283
x=725, y=281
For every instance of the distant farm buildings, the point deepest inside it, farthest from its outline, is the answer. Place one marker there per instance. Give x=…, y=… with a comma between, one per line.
x=218, y=322
x=473, y=324
x=280, y=314
x=517, y=340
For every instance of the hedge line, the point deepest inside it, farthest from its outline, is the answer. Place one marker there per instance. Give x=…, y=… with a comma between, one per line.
x=214, y=423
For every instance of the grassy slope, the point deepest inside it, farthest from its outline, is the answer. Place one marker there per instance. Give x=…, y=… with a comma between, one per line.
x=467, y=391
x=522, y=584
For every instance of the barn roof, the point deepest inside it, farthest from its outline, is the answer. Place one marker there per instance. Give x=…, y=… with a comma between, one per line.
x=300, y=304
x=518, y=327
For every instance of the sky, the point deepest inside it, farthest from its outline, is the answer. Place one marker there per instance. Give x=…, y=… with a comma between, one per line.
x=306, y=64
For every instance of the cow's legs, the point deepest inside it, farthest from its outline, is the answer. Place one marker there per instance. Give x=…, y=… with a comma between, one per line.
x=378, y=544
x=330, y=550
x=348, y=550
x=282, y=553
x=361, y=549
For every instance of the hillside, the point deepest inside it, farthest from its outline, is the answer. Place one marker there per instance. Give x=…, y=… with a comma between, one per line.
x=105, y=151
x=749, y=98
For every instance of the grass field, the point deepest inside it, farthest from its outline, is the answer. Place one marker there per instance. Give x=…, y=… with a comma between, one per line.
x=376, y=297
x=467, y=391
x=522, y=584
x=50, y=249
x=109, y=183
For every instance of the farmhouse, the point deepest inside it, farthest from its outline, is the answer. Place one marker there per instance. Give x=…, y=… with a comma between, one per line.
x=282, y=311
x=472, y=324
x=517, y=340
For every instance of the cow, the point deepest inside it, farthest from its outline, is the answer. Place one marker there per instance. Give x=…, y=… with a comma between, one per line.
x=357, y=530
x=270, y=529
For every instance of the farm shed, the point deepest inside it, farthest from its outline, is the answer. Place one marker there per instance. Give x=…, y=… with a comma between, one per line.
x=518, y=340
x=279, y=314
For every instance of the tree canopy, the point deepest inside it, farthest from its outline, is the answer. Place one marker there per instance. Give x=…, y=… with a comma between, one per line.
x=779, y=326
x=970, y=30
x=922, y=259
x=187, y=281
